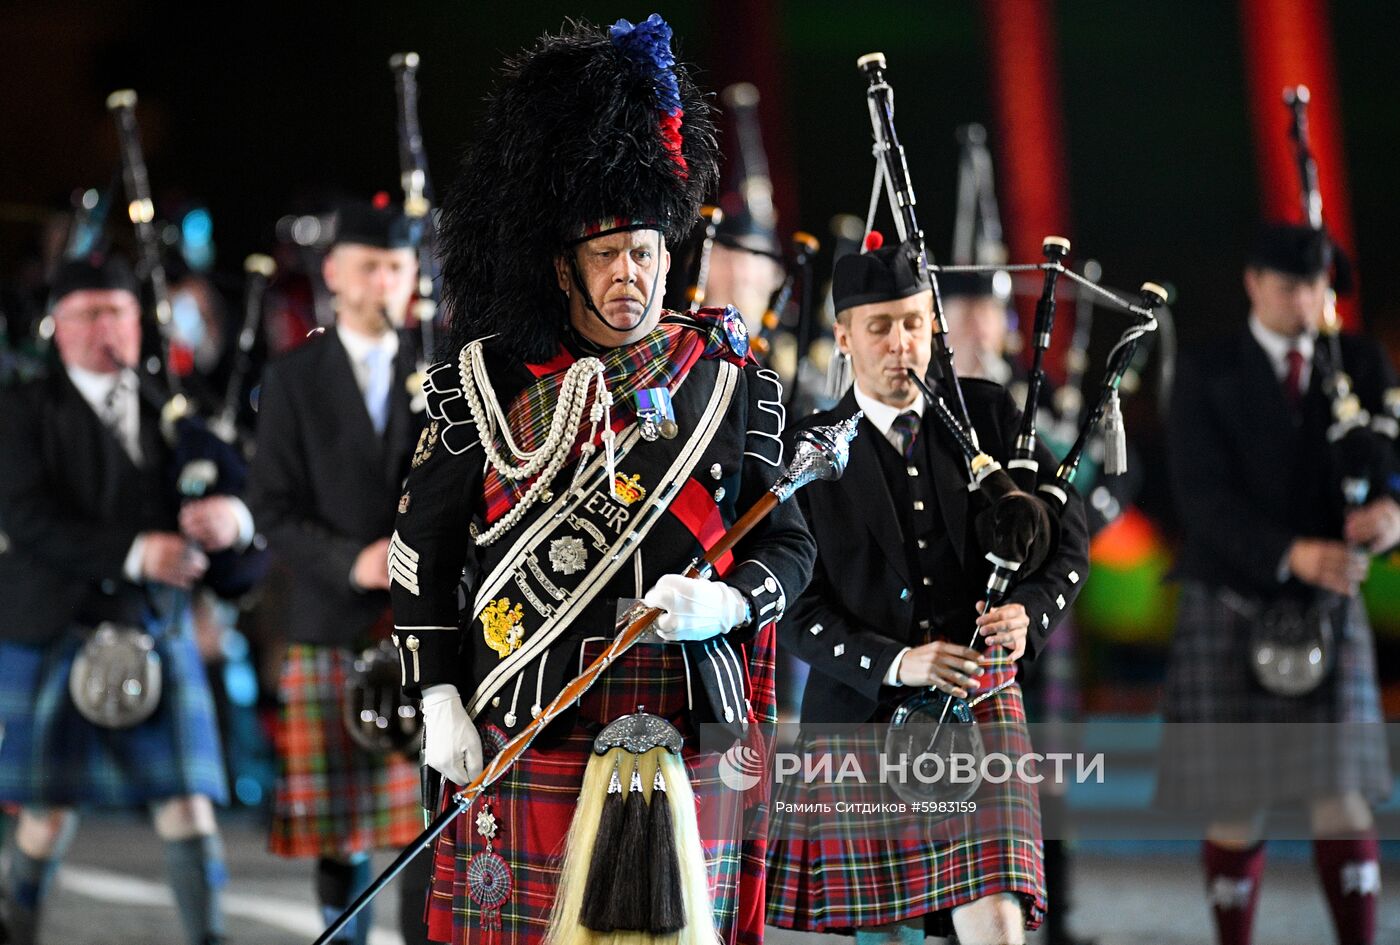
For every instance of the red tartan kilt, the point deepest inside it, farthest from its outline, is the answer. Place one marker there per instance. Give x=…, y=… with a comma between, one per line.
x=334, y=798
x=534, y=804
x=836, y=872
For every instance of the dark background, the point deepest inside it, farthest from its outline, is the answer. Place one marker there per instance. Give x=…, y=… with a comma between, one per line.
x=249, y=105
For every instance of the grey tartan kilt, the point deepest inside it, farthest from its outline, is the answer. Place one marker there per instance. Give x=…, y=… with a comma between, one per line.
x=1229, y=746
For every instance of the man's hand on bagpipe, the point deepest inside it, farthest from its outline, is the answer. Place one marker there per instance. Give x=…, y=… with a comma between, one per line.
x=1374, y=526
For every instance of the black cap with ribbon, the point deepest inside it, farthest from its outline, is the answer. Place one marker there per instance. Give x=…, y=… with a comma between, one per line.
x=88, y=274
x=881, y=274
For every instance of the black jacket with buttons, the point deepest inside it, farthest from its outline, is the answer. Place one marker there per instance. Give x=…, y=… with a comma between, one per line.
x=1250, y=474
x=71, y=504
x=325, y=485
x=859, y=611
x=444, y=495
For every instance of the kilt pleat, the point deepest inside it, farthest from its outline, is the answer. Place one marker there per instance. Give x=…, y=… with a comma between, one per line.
x=51, y=756
x=333, y=797
x=1230, y=746
x=534, y=804
x=834, y=872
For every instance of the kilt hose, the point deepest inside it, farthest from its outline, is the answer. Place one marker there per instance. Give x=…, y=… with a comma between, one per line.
x=1323, y=743
x=836, y=872
x=333, y=797
x=52, y=756
x=534, y=803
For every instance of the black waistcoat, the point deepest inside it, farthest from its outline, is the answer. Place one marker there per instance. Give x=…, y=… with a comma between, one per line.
x=941, y=598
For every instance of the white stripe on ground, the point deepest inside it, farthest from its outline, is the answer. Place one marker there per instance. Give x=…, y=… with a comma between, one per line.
x=289, y=914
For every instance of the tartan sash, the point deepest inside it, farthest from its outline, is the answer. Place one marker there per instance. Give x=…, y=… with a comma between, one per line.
x=661, y=358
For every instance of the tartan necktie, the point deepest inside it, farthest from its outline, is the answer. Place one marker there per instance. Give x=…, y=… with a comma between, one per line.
x=906, y=427
x=1293, y=383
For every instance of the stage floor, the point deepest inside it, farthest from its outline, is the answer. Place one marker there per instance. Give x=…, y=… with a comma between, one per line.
x=113, y=891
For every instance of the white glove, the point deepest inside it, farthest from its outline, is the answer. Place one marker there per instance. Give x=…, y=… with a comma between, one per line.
x=451, y=745
x=695, y=609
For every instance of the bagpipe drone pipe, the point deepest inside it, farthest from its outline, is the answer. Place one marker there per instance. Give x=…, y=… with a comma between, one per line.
x=1017, y=530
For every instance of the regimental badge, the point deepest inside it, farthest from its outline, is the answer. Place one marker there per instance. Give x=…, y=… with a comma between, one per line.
x=735, y=331
x=567, y=555
x=627, y=491
x=500, y=624
x=486, y=824
x=426, y=441
x=403, y=504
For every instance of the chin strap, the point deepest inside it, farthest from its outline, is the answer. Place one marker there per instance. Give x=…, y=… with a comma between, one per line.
x=588, y=298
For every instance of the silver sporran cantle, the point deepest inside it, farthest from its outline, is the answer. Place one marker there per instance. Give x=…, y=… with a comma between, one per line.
x=116, y=677
x=1292, y=644
x=927, y=725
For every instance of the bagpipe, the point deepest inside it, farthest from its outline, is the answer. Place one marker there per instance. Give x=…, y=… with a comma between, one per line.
x=710, y=219
x=418, y=208
x=1017, y=529
x=203, y=463
x=258, y=270
x=786, y=326
x=1360, y=443
x=978, y=239
x=161, y=375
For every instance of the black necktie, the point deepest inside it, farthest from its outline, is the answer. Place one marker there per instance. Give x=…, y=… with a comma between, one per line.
x=906, y=427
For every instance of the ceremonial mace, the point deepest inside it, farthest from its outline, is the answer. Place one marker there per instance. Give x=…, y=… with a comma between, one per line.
x=819, y=453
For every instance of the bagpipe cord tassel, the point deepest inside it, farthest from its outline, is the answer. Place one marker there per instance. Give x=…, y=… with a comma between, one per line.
x=628, y=907
x=1115, y=438
x=666, y=898
x=604, y=861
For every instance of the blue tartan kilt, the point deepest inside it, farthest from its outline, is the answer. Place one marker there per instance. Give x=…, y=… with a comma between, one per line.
x=51, y=756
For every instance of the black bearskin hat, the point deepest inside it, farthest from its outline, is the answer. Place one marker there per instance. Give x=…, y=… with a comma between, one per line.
x=590, y=125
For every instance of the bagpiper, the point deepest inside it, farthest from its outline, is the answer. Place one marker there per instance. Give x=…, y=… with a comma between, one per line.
x=895, y=594
x=336, y=433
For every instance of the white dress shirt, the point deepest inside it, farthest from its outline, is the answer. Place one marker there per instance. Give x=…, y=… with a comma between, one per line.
x=1277, y=346
x=883, y=416
x=118, y=389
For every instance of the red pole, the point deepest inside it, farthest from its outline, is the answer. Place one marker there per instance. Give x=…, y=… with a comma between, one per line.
x=1032, y=166
x=1289, y=42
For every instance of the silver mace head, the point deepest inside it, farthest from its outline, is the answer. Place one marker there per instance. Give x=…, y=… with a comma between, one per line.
x=820, y=453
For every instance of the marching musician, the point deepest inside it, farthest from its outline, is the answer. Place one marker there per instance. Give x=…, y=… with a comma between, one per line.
x=746, y=263
x=98, y=558
x=975, y=305
x=894, y=595
x=335, y=437
x=584, y=446
x=1267, y=542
